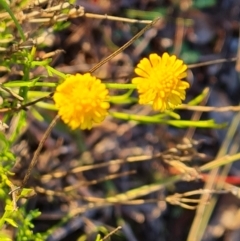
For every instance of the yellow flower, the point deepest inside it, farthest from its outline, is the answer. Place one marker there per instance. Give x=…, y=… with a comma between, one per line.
x=160, y=81
x=81, y=100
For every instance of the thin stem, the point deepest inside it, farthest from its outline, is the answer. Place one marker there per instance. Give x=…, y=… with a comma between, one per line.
x=216, y=61
x=114, y=18
x=29, y=84
x=97, y=66
x=120, y=86
x=22, y=107
x=37, y=152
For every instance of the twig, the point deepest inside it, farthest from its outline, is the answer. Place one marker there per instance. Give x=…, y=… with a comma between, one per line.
x=216, y=61
x=37, y=152
x=111, y=233
x=209, y=108
x=114, y=18
x=23, y=107
x=124, y=46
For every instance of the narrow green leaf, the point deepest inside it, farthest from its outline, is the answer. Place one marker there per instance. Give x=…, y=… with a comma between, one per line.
x=27, y=192
x=11, y=222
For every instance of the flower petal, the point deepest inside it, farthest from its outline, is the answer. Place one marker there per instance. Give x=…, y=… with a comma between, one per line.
x=160, y=81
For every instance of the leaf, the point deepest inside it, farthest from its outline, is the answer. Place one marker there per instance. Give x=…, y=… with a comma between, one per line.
x=9, y=207
x=177, y=123
x=197, y=100
x=9, y=155
x=189, y=123
x=27, y=193
x=3, y=141
x=98, y=238
x=11, y=222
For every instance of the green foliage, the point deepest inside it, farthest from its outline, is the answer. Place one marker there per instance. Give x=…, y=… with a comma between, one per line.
x=19, y=53
x=24, y=231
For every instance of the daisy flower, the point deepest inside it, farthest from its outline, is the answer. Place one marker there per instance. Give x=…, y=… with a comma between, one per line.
x=160, y=81
x=81, y=100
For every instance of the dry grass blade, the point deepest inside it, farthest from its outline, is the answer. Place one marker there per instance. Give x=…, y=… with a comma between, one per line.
x=217, y=61
x=127, y=197
x=71, y=188
x=209, y=108
x=49, y=176
x=111, y=233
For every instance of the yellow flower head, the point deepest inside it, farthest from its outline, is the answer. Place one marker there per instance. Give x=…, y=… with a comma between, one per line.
x=160, y=81
x=81, y=100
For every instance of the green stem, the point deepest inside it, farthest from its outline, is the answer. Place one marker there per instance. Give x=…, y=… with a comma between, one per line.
x=51, y=71
x=23, y=91
x=47, y=106
x=120, y=86
x=116, y=100
x=37, y=94
x=29, y=84
x=157, y=119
